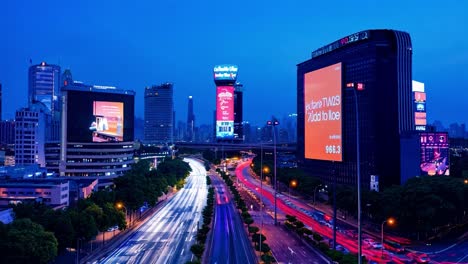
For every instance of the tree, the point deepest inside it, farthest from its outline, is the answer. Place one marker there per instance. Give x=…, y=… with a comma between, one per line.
x=248, y=221
x=253, y=229
x=84, y=224
x=24, y=241
x=197, y=250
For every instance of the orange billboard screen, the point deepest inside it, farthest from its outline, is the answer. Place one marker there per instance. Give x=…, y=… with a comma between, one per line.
x=322, y=101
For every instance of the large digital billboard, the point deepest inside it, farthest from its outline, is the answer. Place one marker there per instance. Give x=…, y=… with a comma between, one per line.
x=99, y=117
x=435, y=153
x=225, y=72
x=322, y=101
x=224, y=112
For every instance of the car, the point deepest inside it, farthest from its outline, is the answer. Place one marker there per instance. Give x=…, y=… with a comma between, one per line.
x=394, y=247
x=342, y=249
x=112, y=228
x=419, y=258
x=368, y=241
x=376, y=246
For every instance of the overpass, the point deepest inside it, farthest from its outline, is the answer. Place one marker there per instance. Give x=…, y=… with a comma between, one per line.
x=281, y=147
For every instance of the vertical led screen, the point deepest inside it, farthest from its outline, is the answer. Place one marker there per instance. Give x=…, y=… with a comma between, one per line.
x=322, y=101
x=107, y=124
x=420, y=110
x=434, y=153
x=224, y=112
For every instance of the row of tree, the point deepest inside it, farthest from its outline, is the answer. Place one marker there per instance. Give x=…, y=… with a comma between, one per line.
x=198, y=248
x=423, y=205
x=83, y=221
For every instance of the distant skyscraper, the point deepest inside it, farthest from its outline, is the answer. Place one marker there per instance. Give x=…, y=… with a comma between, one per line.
x=159, y=109
x=190, y=120
x=238, y=111
x=7, y=132
x=1, y=102
x=30, y=134
x=44, y=85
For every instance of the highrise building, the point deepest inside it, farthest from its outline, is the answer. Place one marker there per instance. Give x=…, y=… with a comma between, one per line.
x=190, y=120
x=7, y=132
x=1, y=102
x=225, y=77
x=44, y=85
x=30, y=134
x=97, y=132
x=376, y=65
x=238, y=112
x=159, y=109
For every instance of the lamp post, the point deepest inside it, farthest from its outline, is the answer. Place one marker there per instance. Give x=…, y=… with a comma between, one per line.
x=274, y=123
x=293, y=184
x=359, y=87
x=122, y=206
x=390, y=221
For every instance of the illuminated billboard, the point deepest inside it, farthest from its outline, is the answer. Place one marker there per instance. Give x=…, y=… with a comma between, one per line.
x=434, y=153
x=225, y=112
x=322, y=101
x=107, y=124
x=420, y=119
x=225, y=72
x=99, y=117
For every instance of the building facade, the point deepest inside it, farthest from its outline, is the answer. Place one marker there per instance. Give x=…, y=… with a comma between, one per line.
x=53, y=193
x=380, y=61
x=159, y=110
x=44, y=85
x=30, y=134
x=7, y=132
x=238, y=112
x=97, y=132
x=190, y=120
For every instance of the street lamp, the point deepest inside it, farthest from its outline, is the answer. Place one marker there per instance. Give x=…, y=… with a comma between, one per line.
x=390, y=221
x=274, y=123
x=122, y=206
x=293, y=184
x=359, y=87
x=465, y=181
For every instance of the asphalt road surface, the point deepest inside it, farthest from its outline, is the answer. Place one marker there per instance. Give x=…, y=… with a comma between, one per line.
x=230, y=242
x=167, y=236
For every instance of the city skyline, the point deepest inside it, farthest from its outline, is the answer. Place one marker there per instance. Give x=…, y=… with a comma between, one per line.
x=138, y=51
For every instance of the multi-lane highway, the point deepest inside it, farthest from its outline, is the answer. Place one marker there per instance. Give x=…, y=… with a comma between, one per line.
x=230, y=242
x=167, y=236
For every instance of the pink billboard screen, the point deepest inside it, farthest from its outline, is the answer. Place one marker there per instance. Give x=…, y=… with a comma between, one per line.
x=225, y=112
x=108, y=122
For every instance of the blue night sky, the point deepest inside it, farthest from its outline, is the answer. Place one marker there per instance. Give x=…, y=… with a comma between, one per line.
x=132, y=45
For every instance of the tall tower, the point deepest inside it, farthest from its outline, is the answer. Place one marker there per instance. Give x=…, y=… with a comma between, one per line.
x=159, y=110
x=190, y=120
x=44, y=85
x=225, y=77
x=238, y=112
x=1, y=102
